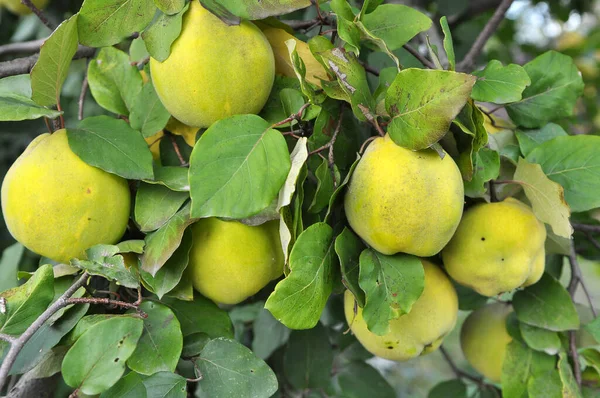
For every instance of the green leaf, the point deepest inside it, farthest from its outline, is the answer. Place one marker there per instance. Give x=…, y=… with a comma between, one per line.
x=392, y=284
x=253, y=10
x=84, y=324
x=51, y=68
x=325, y=186
x=540, y=339
x=359, y=380
x=594, y=328
x=161, y=342
x=49, y=364
x=547, y=305
x=300, y=70
x=450, y=388
x=165, y=385
x=546, y=197
x=155, y=205
x=573, y=163
x=103, y=23
x=131, y=246
x=531, y=139
x=273, y=111
x=200, y=316
x=27, y=302
x=173, y=177
x=396, y=24
x=352, y=79
x=161, y=243
x=193, y=344
x=97, y=359
x=159, y=36
x=471, y=122
x=19, y=85
x=448, y=44
x=46, y=337
x=111, y=145
x=468, y=299
x=298, y=158
x=500, y=84
x=333, y=199
x=308, y=358
x=237, y=168
x=167, y=278
x=520, y=364
x=423, y=103
x=380, y=43
x=148, y=114
x=231, y=370
x=104, y=261
x=114, y=83
x=555, y=86
x=9, y=264
x=546, y=385
x=348, y=248
x=14, y=107
x=299, y=299
x=269, y=334
x=486, y=166
x=130, y=386
x=569, y=384
x=346, y=28
x=170, y=7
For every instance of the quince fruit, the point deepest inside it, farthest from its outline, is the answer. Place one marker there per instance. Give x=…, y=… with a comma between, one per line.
x=497, y=247
x=57, y=205
x=483, y=339
x=283, y=65
x=419, y=332
x=214, y=70
x=230, y=261
x=400, y=200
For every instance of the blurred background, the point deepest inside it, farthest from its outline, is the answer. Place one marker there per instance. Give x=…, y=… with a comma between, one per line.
x=531, y=28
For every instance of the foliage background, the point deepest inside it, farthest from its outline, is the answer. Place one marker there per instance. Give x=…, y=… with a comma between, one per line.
x=531, y=28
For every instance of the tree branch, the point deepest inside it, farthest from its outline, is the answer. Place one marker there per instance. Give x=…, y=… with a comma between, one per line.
x=586, y=227
x=419, y=57
x=23, y=65
x=39, y=14
x=475, y=8
x=19, y=342
x=469, y=60
x=26, y=47
x=458, y=372
x=577, y=279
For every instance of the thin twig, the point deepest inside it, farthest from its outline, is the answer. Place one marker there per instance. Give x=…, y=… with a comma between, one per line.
x=572, y=288
x=84, y=88
x=18, y=344
x=364, y=144
x=294, y=116
x=469, y=59
x=586, y=227
x=7, y=338
x=39, y=14
x=458, y=372
x=177, y=150
x=419, y=56
x=97, y=300
x=577, y=279
x=592, y=240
